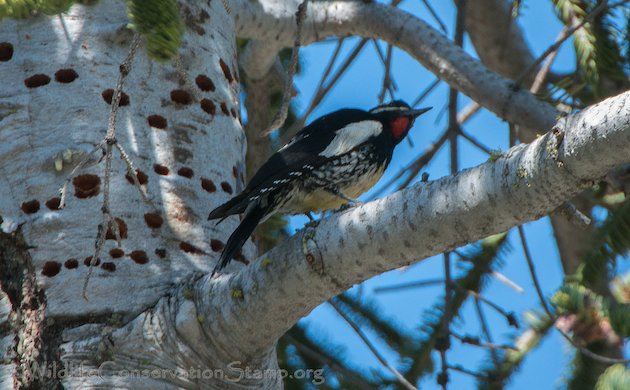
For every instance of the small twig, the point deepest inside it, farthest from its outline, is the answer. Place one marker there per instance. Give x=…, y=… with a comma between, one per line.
x=453, y=124
x=574, y=215
x=405, y=286
x=467, y=112
x=453, y=133
x=508, y=282
x=110, y=139
x=64, y=190
x=435, y=16
x=509, y=316
x=281, y=115
x=183, y=75
x=466, y=371
x=585, y=351
x=388, y=82
x=510, y=20
x=131, y=170
x=415, y=166
x=538, y=84
x=440, y=114
x=321, y=93
x=331, y=63
x=446, y=319
x=474, y=142
x=462, y=256
x=371, y=347
x=486, y=332
x=334, y=365
x=532, y=271
x=423, y=160
x=107, y=217
x=226, y=6
x=459, y=118
x=599, y=8
x=430, y=151
x=426, y=92
x=541, y=76
x=476, y=342
x=513, y=134
x=114, y=226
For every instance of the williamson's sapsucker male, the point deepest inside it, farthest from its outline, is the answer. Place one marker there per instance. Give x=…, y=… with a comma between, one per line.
x=328, y=163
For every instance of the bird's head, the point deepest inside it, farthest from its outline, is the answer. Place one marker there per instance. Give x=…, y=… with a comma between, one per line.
x=397, y=117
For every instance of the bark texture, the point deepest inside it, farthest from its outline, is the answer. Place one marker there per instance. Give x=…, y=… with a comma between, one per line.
x=183, y=134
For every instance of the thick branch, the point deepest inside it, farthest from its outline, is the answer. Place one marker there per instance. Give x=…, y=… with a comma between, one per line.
x=497, y=38
x=255, y=306
x=258, y=105
x=499, y=42
x=258, y=58
x=274, y=22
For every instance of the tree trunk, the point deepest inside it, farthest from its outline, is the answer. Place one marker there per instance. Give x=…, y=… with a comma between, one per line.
x=182, y=132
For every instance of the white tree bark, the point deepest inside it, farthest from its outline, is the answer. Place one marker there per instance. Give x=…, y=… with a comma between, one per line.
x=47, y=128
x=167, y=314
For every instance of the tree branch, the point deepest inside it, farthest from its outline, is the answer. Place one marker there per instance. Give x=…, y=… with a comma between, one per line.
x=497, y=38
x=258, y=304
x=274, y=22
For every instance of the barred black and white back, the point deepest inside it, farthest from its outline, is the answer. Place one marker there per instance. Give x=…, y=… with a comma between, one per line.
x=335, y=158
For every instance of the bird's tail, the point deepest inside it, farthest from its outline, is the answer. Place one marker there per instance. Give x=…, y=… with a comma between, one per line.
x=240, y=235
x=236, y=205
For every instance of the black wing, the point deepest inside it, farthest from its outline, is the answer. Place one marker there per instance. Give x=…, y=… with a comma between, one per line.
x=305, y=147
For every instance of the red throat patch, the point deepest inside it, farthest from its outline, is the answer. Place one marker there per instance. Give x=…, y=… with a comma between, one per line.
x=400, y=127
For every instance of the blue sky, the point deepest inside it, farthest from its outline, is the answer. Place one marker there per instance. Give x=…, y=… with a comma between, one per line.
x=359, y=88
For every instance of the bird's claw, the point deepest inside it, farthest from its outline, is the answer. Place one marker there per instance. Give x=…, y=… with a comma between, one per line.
x=313, y=223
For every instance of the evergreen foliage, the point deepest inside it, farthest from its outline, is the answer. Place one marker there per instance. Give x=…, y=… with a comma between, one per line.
x=159, y=22
x=598, y=54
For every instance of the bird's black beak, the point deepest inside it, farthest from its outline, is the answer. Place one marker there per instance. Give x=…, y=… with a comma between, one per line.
x=416, y=113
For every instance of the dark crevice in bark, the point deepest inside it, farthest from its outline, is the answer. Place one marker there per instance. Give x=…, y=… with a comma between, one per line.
x=36, y=345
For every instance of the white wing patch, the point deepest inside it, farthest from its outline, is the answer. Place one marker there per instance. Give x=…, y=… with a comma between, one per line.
x=351, y=136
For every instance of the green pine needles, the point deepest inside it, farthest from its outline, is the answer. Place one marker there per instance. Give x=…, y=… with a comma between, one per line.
x=157, y=20
x=616, y=377
x=611, y=239
x=159, y=23
x=496, y=377
x=598, y=54
x=22, y=9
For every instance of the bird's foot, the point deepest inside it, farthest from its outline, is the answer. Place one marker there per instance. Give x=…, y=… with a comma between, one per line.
x=312, y=224
x=335, y=191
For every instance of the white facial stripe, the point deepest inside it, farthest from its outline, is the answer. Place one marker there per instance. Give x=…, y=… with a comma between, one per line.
x=388, y=108
x=351, y=136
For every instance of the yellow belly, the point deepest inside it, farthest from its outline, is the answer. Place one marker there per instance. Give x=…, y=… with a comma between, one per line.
x=321, y=200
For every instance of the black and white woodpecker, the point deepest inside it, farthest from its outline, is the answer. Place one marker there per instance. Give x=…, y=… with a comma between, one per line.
x=328, y=163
